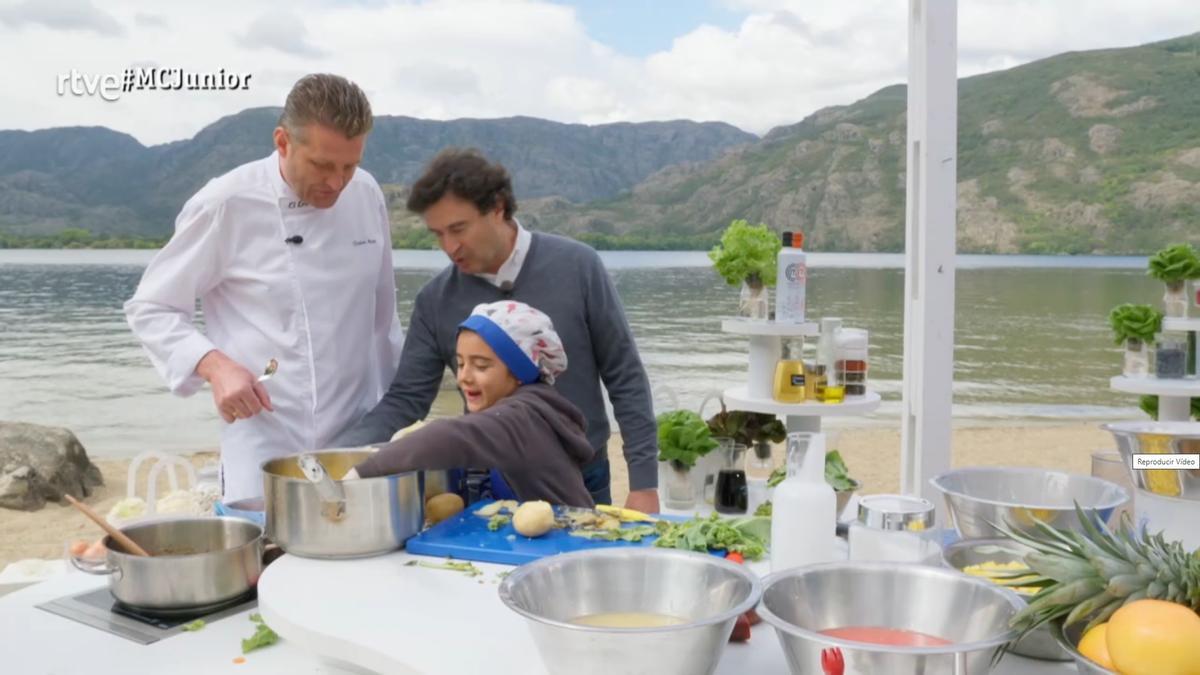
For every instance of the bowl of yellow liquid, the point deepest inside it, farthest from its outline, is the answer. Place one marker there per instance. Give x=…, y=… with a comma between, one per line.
x=631, y=610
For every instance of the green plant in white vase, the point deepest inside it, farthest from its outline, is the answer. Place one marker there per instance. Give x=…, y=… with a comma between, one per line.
x=1134, y=327
x=683, y=438
x=1175, y=266
x=747, y=256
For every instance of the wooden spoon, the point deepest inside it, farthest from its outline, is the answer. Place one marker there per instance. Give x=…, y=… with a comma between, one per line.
x=118, y=536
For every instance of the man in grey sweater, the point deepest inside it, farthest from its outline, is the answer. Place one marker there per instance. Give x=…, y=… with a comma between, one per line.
x=467, y=203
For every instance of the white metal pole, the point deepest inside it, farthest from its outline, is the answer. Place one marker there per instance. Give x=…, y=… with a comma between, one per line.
x=929, y=245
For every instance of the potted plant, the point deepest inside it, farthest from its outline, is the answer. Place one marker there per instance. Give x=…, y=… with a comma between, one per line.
x=741, y=430
x=1135, y=326
x=746, y=256
x=683, y=438
x=1175, y=265
x=757, y=430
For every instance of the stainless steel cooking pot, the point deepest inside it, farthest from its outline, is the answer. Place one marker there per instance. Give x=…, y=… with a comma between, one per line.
x=339, y=519
x=194, y=564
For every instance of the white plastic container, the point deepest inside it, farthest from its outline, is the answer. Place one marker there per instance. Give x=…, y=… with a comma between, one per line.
x=895, y=528
x=804, y=507
x=790, y=278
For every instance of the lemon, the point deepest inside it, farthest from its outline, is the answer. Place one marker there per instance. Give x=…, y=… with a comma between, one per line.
x=1154, y=637
x=1094, y=646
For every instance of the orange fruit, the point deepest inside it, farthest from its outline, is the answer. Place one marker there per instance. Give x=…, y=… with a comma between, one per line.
x=1154, y=637
x=1094, y=645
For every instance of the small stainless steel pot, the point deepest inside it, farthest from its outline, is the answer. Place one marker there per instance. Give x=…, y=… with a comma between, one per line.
x=194, y=563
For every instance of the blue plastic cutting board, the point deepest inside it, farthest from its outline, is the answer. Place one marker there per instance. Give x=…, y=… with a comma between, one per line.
x=465, y=537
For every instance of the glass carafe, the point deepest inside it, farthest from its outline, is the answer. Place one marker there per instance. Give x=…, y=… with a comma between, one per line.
x=731, y=494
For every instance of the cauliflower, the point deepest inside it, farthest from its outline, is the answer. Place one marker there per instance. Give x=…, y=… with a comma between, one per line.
x=179, y=502
x=130, y=508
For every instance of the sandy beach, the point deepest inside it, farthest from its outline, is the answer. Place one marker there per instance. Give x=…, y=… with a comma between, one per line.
x=873, y=456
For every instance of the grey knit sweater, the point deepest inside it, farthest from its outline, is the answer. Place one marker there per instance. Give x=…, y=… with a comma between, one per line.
x=566, y=280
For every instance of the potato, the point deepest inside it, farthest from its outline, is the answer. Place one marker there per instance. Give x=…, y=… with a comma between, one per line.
x=533, y=519
x=442, y=507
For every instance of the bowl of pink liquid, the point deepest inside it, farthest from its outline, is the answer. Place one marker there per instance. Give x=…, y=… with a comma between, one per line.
x=883, y=617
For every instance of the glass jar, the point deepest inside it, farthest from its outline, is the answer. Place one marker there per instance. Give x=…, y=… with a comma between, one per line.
x=1137, y=358
x=1170, y=357
x=759, y=465
x=678, y=484
x=1175, y=300
x=754, y=301
x=851, y=361
x=895, y=528
x=731, y=493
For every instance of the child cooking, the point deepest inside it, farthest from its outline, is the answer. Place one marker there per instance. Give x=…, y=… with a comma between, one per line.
x=517, y=423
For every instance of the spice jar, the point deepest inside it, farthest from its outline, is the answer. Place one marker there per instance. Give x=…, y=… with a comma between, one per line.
x=895, y=528
x=851, y=360
x=1170, y=357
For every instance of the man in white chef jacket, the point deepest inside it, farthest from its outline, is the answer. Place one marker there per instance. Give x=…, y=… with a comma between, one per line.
x=291, y=257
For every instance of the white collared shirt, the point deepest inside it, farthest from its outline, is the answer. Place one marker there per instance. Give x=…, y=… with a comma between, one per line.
x=512, y=267
x=324, y=308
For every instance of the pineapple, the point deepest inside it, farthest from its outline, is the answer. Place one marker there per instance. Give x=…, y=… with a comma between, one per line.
x=1091, y=574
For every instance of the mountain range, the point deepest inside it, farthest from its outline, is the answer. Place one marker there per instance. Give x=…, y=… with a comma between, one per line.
x=1083, y=153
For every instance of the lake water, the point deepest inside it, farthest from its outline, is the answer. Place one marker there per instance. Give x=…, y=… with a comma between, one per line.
x=1032, y=337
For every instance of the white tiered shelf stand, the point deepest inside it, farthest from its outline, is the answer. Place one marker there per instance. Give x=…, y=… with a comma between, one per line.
x=766, y=344
x=1174, y=395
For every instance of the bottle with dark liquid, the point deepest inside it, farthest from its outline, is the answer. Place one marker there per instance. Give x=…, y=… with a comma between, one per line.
x=730, y=493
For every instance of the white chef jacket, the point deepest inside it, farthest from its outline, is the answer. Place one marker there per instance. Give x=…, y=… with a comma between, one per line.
x=325, y=308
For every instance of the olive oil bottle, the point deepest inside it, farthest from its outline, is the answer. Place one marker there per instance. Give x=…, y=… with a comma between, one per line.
x=789, y=374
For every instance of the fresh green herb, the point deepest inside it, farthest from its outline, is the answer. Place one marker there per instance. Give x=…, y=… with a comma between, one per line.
x=1174, y=264
x=746, y=253
x=453, y=566
x=498, y=521
x=683, y=437
x=1149, y=405
x=263, y=636
x=194, y=626
x=636, y=533
x=764, y=509
x=748, y=536
x=1134, y=322
x=836, y=473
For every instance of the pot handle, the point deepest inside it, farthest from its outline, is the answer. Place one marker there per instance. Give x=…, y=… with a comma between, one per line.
x=98, y=568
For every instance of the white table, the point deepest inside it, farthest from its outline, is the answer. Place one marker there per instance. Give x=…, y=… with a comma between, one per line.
x=389, y=617
x=336, y=617
x=36, y=642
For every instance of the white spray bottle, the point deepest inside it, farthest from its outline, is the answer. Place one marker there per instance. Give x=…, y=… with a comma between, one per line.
x=804, y=507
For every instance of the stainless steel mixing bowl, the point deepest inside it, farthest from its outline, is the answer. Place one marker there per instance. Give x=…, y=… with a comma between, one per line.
x=706, y=592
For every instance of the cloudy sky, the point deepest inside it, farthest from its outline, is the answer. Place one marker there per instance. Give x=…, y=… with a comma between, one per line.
x=752, y=63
